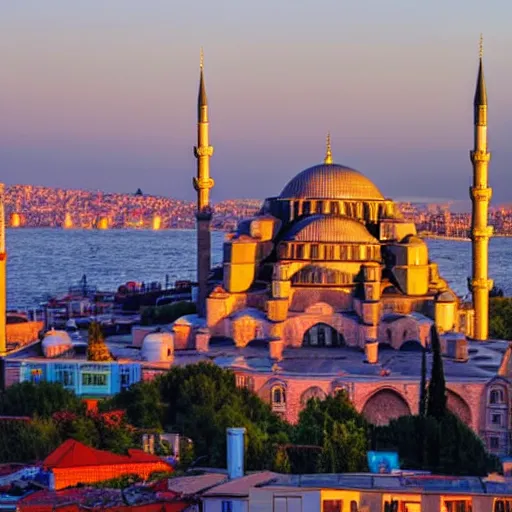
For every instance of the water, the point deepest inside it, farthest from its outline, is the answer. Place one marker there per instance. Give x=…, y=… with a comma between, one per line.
x=42, y=261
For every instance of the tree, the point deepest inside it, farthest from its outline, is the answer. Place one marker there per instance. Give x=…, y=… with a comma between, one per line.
x=340, y=431
x=200, y=401
x=27, y=441
x=158, y=315
x=423, y=383
x=42, y=399
x=500, y=318
x=445, y=445
x=436, y=405
x=97, y=349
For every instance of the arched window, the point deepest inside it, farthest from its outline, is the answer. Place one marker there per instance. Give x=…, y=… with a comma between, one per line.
x=322, y=335
x=497, y=396
x=278, y=397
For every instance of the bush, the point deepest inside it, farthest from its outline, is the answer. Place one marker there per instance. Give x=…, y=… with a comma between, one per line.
x=157, y=315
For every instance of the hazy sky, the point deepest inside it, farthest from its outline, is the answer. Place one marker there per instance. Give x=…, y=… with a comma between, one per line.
x=102, y=93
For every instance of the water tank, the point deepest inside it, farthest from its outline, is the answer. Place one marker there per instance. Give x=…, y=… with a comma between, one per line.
x=56, y=343
x=236, y=452
x=158, y=346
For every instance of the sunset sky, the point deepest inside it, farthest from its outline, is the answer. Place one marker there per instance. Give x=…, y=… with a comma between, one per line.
x=101, y=94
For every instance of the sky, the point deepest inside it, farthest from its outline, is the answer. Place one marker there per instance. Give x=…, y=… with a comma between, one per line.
x=102, y=94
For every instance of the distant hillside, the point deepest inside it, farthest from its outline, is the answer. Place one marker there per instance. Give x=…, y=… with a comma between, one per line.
x=29, y=206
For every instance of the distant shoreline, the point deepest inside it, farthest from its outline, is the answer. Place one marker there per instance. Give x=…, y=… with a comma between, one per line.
x=457, y=238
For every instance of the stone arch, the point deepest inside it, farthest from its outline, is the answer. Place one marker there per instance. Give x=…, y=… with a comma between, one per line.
x=458, y=406
x=221, y=341
x=322, y=334
x=312, y=392
x=303, y=298
x=411, y=346
x=296, y=327
x=384, y=406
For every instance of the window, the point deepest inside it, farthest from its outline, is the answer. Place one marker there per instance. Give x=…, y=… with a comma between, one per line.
x=458, y=505
x=503, y=505
x=314, y=252
x=494, y=443
x=278, y=397
x=497, y=396
x=94, y=379
x=65, y=375
x=287, y=504
x=299, y=251
x=227, y=506
x=332, y=506
x=496, y=419
x=329, y=252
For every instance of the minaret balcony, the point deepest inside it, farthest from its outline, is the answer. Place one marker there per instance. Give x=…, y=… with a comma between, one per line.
x=202, y=184
x=480, y=156
x=200, y=151
x=480, y=194
x=482, y=233
x=479, y=283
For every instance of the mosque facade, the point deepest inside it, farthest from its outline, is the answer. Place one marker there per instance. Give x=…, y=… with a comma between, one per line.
x=329, y=288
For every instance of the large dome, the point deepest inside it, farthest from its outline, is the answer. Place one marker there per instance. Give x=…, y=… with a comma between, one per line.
x=331, y=181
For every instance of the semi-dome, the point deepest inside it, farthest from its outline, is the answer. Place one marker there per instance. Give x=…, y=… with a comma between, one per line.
x=329, y=229
x=331, y=181
x=56, y=343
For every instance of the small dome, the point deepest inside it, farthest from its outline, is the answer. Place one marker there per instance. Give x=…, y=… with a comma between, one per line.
x=55, y=343
x=331, y=181
x=157, y=347
x=329, y=229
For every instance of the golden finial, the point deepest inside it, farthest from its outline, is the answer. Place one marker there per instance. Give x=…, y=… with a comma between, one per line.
x=481, y=46
x=201, y=58
x=328, y=152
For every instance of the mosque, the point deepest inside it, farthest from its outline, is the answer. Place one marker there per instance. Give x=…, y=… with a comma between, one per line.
x=326, y=288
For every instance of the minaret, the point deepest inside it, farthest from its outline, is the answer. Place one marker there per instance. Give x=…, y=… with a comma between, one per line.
x=3, y=276
x=480, y=194
x=203, y=183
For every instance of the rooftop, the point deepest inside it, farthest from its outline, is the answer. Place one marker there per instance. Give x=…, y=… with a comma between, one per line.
x=484, y=361
x=402, y=481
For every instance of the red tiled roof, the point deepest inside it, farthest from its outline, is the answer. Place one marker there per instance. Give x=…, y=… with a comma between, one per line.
x=72, y=454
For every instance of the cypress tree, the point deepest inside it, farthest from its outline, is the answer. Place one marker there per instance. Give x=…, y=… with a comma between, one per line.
x=423, y=383
x=436, y=403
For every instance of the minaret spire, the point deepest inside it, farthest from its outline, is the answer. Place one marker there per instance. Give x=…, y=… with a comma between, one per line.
x=202, y=184
x=480, y=194
x=328, y=152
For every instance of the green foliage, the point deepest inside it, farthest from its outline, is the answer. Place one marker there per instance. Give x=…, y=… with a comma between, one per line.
x=444, y=446
x=336, y=426
x=201, y=401
x=97, y=349
x=282, y=462
x=436, y=403
x=158, y=315
x=22, y=441
x=423, y=384
x=500, y=318
x=42, y=399
x=122, y=482
x=142, y=404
